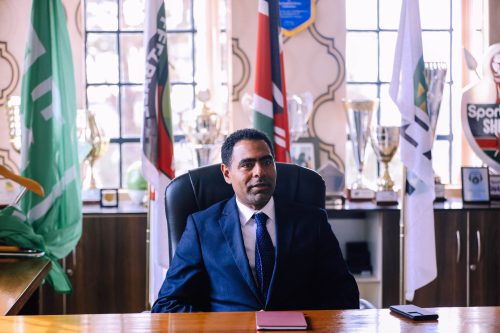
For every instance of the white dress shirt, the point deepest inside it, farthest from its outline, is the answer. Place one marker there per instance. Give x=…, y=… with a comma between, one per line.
x=249, y=228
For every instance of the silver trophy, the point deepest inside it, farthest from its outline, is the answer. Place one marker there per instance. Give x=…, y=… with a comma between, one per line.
x=385, y=142
x=299, y=111
x=359, y=114
x=204, y=130
x=300, y=107
x=435, y=75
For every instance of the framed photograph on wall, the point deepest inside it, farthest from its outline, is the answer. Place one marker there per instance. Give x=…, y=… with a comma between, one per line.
x=305, y=152
x=475, y=185
x=494, y=186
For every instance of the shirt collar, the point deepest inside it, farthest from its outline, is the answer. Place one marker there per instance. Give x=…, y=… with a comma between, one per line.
x=246, y=213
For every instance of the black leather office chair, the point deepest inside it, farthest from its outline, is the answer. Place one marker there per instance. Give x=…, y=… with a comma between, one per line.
x=200, y=188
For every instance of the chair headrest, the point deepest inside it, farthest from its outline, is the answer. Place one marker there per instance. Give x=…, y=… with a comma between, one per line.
x=202, y=187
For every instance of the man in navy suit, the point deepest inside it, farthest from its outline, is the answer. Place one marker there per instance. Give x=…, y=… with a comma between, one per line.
x=255, y=251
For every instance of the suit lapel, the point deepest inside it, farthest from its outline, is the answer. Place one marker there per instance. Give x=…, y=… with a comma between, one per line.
x=230, y=226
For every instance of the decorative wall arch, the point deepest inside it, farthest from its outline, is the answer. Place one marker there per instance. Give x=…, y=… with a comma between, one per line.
x=11, y=69
x=246, y=69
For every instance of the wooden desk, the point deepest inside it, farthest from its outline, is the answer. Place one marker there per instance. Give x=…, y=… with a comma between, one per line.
x=19, y=278
x=480, y=319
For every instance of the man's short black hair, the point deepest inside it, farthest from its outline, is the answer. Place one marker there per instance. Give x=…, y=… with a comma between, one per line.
x=226, y=150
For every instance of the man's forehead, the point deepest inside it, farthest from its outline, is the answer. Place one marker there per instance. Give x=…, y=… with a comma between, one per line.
x=251, y=149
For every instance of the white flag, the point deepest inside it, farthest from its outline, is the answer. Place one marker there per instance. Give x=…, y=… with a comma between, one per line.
x=408, y=89
x=157, y=139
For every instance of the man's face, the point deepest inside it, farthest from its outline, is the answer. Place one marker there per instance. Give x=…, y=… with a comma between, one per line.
x=252, y=173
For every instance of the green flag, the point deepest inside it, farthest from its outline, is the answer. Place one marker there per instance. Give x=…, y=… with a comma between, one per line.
x=49, y=149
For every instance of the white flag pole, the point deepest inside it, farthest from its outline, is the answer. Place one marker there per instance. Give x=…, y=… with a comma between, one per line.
x=402, y=237
x=148, y=251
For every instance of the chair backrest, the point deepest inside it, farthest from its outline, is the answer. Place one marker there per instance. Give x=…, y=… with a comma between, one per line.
x=200, y=188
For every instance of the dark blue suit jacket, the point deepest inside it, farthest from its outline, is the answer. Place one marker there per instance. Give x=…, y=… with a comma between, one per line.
x=210, y=269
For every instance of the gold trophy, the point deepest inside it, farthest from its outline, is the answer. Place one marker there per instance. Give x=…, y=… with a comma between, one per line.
x=94, y=135
x=385, y=142
x=359, y=114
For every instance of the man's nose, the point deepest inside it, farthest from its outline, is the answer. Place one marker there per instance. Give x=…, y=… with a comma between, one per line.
x=258, y=170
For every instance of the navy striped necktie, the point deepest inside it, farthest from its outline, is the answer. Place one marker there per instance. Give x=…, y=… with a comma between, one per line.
x=264, y=254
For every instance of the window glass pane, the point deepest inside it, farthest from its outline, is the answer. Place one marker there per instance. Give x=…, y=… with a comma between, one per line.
x=102, y=58
x=387, y=49
x=132, y=15
x=103, y=101
x=361, y=56
x=180, y=57
x=181, y=99
x=431, y=40
x=132, y=58
x=390, y=11
x=389, y=112
x=361, y=91
x=224, y=57
x=131, y=152
x=443, y=124
x=223, y=14
x=107, y=168
x=179, y=14
x=441, y=160
x=185, y=158
x=435, y=14
x=361, y=14
x=101, y=14
x=132, y=110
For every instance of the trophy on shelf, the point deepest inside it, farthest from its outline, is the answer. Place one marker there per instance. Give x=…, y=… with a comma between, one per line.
x=300, y=107
x=385, y=142
x=94, y=135
x=435, y=74
x=299, y=111
x=359, y=114
x=205, y=131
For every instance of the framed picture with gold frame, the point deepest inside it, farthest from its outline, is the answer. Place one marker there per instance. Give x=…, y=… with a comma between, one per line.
x=109, y=197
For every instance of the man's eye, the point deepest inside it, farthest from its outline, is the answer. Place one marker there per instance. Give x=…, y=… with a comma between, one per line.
x=247, y=165
x=268, y=162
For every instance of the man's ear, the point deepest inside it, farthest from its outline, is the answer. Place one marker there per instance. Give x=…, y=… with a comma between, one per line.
x=225, y=173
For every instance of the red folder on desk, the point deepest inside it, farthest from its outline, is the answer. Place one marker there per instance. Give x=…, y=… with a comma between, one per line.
x=280, y=320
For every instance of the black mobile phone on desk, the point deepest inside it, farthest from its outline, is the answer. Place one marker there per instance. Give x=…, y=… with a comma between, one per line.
x=22, y=253
x=414, y=312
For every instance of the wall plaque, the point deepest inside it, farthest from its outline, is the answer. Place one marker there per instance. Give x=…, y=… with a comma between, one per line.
x=481, y=111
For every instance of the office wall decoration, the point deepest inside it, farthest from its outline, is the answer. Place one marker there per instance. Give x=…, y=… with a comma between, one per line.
x=10, y=73
x=241, y=69
x=78, y=18
x=7, y=160
x=305, y=152
x=494, y=186
x=475, y=185
x=481, y=111
x=296, y=16
x=314, y=62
